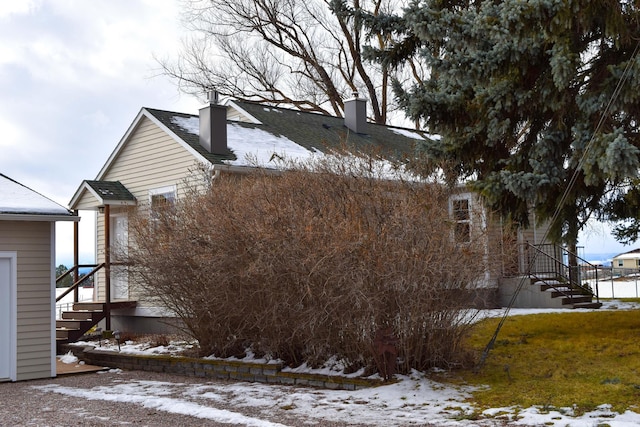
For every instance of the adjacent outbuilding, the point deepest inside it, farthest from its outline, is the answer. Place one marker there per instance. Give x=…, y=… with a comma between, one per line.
x=627, y=260
x=27, y=281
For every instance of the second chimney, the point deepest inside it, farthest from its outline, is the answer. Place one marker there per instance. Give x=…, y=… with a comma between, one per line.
x=355, y=114
x=213, y=126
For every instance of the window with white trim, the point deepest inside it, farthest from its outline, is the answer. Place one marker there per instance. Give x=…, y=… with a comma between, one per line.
x=460, y=213
x=161, y=198
x=620, y=263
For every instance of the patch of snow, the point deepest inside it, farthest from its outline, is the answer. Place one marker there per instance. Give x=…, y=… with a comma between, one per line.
x=68, y=358
x=408, y=133
x=252, y=146
x=413, y=400
x=150, y=395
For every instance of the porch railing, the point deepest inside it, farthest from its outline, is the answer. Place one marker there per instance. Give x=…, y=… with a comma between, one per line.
x=74, y=286
x=552, y=265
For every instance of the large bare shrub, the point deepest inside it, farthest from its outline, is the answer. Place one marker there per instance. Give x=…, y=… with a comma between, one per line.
x=309, y=263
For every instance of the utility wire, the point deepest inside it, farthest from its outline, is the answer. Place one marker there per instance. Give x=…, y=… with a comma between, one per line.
x=565, y=195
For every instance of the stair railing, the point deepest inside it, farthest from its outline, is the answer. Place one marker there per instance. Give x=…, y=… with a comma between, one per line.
x=547, y=261
x=74, y=286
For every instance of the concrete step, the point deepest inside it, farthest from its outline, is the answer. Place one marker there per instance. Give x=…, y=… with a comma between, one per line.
x=588, y=305
x=576, y=300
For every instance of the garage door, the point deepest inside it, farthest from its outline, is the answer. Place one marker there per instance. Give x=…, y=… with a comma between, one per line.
x=7, y=316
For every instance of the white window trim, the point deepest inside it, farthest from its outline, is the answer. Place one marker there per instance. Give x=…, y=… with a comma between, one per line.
x=469, y=198
x=13, y=314
x=163, y=190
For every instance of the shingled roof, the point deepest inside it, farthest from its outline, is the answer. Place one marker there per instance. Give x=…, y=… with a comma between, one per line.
x=313, y=132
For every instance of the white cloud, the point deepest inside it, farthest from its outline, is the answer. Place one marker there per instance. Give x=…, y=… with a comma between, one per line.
x=8, y=8
x=73, y=75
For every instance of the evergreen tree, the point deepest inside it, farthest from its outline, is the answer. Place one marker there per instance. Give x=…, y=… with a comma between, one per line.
x=67, y=281
x=530, y=98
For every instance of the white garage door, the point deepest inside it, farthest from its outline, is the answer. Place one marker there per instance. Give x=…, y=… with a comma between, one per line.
x=7, y=316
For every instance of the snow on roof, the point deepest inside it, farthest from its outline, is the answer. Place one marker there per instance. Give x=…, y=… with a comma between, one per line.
x=415, y=135
x=255, y=147
x=15, y=198
x=408, y=133
x=635, y=254
x=250, y=145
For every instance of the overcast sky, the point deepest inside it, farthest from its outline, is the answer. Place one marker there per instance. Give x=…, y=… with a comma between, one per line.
x=73, y=76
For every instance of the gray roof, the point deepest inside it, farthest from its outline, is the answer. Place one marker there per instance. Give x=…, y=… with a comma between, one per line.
x=111, y=190
x=309, y=130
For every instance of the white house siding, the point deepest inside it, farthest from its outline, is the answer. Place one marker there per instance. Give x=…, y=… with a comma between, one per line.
x=33, y=242
x=149, y=160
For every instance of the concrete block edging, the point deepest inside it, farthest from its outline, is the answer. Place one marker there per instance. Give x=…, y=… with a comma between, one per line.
x=269, y=373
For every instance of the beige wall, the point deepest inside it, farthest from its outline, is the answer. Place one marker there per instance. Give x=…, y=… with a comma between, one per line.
x=626, y=263
x=34, y=244
x=150, y=159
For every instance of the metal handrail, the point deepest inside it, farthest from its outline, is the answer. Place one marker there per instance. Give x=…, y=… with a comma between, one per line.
x=560, y=269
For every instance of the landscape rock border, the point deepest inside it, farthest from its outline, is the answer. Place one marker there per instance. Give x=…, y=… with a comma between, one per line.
x=270, y=373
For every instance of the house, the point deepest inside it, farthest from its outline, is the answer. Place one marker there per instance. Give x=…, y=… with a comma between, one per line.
x=627, y=261
x=27, y=281
x=154, y=162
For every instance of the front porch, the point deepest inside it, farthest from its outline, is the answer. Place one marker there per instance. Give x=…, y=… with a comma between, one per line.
x=110, y=199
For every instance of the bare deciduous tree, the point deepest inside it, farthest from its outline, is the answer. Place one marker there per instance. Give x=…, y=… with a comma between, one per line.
x=307, y=265
x=306, y=54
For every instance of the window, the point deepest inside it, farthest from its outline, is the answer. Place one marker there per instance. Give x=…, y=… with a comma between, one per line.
x=161, y=198
x=460, y=212
x=620, y=263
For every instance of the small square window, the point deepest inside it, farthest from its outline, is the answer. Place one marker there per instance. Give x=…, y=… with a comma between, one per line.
x=161, y=199
x=620, y=263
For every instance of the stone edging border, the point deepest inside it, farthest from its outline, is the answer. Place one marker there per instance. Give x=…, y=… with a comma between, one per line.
x=270, y=373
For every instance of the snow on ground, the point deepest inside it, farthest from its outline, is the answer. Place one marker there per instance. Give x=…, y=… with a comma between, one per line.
x=413, y=400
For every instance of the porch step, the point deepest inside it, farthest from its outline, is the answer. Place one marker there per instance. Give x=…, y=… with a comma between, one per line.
x=77, y=315
x=588, y=305
x=576, y=300
x=84, y=315
x=88, y=306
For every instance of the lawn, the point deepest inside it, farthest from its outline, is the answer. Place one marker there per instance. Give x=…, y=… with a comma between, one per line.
x=578, y=360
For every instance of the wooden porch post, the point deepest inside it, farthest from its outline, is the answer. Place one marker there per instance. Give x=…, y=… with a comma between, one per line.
x=76, y=256
x=107, y=266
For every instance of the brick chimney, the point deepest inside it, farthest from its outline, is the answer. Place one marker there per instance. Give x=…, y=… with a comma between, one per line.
x=355, y=114
x=213, y=126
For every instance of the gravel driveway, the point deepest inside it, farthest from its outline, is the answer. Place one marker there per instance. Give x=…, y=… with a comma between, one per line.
x=138, y=398
x=36, y=403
